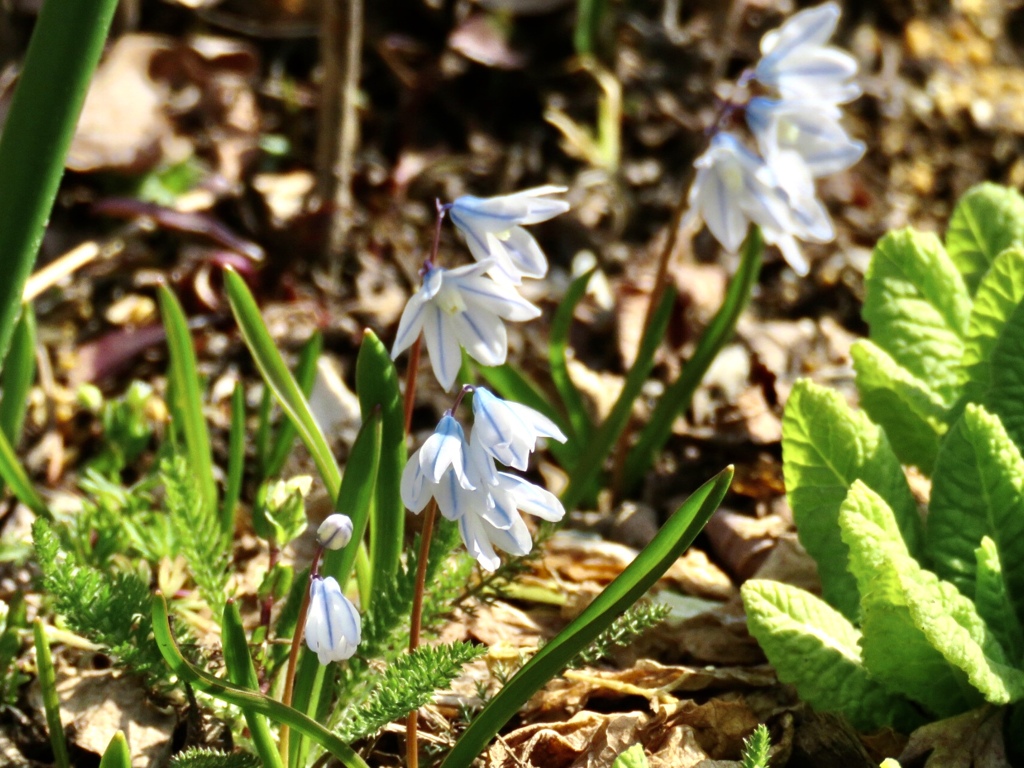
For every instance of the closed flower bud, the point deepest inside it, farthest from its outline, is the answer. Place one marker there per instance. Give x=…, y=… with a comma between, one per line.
x=335, y=531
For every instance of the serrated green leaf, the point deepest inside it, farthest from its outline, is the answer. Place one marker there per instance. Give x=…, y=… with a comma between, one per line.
x=987, y=220
x=918, y=306
x=978, y=490
x=998, y=296
x=920, y=636
x=911, y=413
x=993, y=601
x=815, y=648
x=633, y=757
x=825, y=447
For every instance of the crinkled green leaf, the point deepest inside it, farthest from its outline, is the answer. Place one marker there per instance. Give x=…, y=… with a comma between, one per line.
x=993, y=601
x=815, y=648
x=918, y=306
x=911, y=413
x=825, y=447
x=998, y=296
x=988, y=219
x=920, y=636
x=1005, y=395
x=977, y=490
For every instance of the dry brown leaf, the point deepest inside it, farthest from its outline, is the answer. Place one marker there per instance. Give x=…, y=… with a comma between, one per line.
x=971, y=740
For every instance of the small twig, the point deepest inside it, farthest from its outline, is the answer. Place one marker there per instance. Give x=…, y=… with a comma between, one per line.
x=412, y=749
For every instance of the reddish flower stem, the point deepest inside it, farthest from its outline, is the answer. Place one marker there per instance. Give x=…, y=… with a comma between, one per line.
x=293, y=654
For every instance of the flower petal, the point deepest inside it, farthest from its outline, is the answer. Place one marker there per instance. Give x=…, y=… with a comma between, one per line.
x=502, y=300
x=532, y=499
x=525, y=253
x=411, y=324
x=482, y=334
x=474, y=536
x=442, y=346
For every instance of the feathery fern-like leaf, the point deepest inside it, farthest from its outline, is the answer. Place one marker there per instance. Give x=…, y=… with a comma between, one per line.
x=196, y=757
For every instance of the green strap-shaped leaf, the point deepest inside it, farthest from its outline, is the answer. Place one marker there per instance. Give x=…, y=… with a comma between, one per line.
x=917, y=306
x=187, y=397
x=377, y=389
x=236, y=461
x=977, y=490
x=987, y=220
x=17, y=375
x=825, y=447
x=671, y=541
x=279, y=379
x=911, y=413
x=815, y=648
x=920, y=636
x=117, y=753
x=993, y=600
x=18, y=481
x=47, y=678
x=579, y=419
x=998, y=296
x=305, y=377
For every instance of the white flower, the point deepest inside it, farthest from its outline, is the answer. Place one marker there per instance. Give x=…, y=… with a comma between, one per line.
x=809, y=128
x=796, y=61
x=508, y=431
x=461, y=307
x=438, y=469
x=335, y=531
x=332, y=624
x=493, y=227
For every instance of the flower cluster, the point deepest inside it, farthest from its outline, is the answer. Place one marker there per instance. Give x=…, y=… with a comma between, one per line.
x=465, y=307
x=461, y=476
x=799, y=138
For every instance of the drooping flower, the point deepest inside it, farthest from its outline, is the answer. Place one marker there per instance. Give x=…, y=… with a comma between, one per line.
x=461, y=308
x=507, y=430
x=493, y=227
x=810, y=129
x=796, y=61
x=333, y=626
x=438, y=469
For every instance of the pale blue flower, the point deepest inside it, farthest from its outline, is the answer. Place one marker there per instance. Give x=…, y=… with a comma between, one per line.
x=333, y=626
x=438, y=469
x=796, y=61
x=493, y=227
x=809, y=128
x=461, y=308
x=507, y=430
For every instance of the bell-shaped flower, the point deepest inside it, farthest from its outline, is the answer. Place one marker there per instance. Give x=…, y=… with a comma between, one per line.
x=332, y=625
x=438, y=469
x=493, y=228
x=796, y=61
x=461, y=308
x=508, y=431
x=810, y=129
x=499, y=524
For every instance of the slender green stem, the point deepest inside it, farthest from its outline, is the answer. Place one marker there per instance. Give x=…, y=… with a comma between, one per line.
x=239, y=697
x=51, y=704
x=66, y=45
x=236, y=461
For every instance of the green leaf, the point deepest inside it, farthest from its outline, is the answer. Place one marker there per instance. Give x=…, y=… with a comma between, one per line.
x=17, y=374
x=921, y=636
x=117, y=754
x=675, y=536
x=998, y=296
x=16, y=478
x=236, y=461
x=911, y=413
x=275, y=373
x=815, y=648
x=993, y=601
x=201, y=757
x=588, y=468
x=987, y=220
x=1005, y=395
x=917, y=306
x=756, y=748
x=825, y=447
x=579, y=419
x=186, y=398
x=305, y=377
x=47, y=678
x=377, y=389
x=633, y=757
x=977, y=491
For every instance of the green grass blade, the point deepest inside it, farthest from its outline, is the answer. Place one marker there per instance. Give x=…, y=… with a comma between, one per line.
x=579, y=419
x=589, y=18
x=279, y=379
x=186, y=398
x=678, y=396
x=66, y=44
x=262, y=440
x=117, y=753
x=639, y=576
x=14, y=475
x=48, y=688
x=377, y=389
x=305, y=376
x=586, y=471
x=240, y=697
x=17, y=375
x=236, y=461
x=242, y=673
